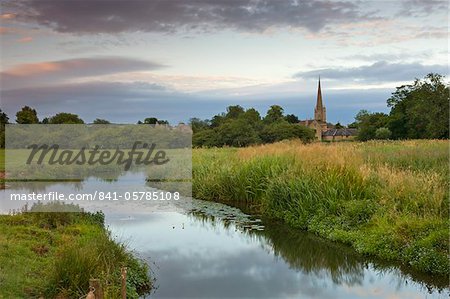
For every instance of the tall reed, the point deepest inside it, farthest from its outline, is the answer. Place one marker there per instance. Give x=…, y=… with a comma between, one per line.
x=388, y=199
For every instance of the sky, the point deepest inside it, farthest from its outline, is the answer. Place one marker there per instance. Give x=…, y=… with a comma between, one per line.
x=176, y=59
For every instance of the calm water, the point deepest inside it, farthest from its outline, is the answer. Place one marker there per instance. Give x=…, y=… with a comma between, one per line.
x=199, y=249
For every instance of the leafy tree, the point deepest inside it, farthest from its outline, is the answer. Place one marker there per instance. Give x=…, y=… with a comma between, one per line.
x=162, y=122
x=99, y=121
x=238, y=127
x=338, y=125
x=283, y=130
x=4, y=119
x=274, y=114
x=420, y=110
x=252, y=115
x=237, y=133
x=198, y=125
x=206, y=138
x=217, y=120
x=367, y=124
x=253, y=118
x=151, y=121
x=291, y=118
x=45, y=121
x=27, y=115
x=66, y=118
x=234, y=111
x=383, y=133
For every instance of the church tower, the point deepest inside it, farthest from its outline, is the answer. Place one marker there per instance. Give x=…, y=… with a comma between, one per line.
x=320, y=113
x=319, y=123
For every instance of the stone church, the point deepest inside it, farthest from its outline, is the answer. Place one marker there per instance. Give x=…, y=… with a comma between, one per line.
x=324, y=130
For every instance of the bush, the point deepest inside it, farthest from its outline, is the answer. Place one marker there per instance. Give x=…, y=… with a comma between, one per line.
x=383, y=133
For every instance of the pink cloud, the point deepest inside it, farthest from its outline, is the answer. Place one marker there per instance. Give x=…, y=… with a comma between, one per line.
x=26, y=39
x=7, y=16
x=50, y=72
x=34, y=68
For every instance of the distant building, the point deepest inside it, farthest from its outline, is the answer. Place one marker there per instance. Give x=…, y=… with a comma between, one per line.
x=339, y=134
x=324, y=130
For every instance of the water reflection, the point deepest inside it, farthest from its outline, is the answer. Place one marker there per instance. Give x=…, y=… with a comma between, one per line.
x=214, y=251
x=112, y=194
x=302, y=251
x=311, y=254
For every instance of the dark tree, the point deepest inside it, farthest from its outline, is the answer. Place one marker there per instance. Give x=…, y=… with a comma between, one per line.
x=4, y=119
x=99, y=121
x=66, y=118
x=206, y=138
x=291, y=118
x=252, y=115
x=217, y=120
x=368, y=123
x=237, y=133
x=283, y=130
x=274, y=114
x=234, y=111
x=420, y=110
x=198, y=125
x=151, y=121
x=27, y=115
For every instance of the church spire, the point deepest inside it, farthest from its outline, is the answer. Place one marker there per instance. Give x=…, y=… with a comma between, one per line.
x=319, y=104
x=320, y=112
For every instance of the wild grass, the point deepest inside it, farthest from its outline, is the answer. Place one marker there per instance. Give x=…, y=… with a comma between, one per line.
x=387, y=199
x=54, y=254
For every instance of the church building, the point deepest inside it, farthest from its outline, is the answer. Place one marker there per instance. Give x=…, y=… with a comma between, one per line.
x=324, y=130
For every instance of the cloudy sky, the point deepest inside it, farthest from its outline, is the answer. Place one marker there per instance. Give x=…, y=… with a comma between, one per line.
x=176, y=59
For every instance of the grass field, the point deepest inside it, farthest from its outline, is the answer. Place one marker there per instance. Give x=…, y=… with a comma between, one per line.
x=386, y=199
x=53, y=255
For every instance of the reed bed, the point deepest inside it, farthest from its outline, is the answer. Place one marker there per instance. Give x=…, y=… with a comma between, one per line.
x=387, y=199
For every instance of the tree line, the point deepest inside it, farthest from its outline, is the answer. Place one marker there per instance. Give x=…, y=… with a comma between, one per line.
x=418, y=111
x=239, y=127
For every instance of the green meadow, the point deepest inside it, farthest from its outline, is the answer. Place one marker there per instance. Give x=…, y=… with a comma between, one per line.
x=386, y=199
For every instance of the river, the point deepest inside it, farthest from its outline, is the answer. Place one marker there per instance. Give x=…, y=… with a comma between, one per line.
x=199, y=249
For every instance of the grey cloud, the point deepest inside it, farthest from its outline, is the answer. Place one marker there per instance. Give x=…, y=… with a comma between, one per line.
x=230, y=275
x=422, y=8
x=34, y=74
x=389, y=56
x=378, y=72
x=375, y=57
x=168, y=16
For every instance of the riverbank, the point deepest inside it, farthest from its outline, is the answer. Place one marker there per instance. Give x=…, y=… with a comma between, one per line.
x=53, y=255
x=385, y=199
